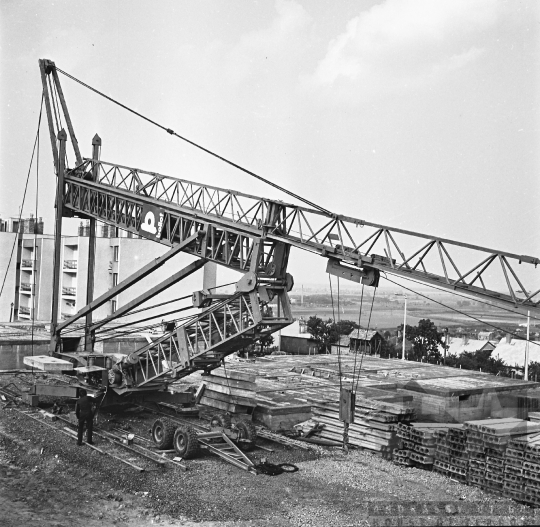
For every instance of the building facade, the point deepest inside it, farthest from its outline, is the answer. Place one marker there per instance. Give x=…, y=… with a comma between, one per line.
x=27, y=293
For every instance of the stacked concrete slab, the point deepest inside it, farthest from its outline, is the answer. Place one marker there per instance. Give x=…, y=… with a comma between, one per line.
x=374, y=426
x=229, y=391
x=451, y=453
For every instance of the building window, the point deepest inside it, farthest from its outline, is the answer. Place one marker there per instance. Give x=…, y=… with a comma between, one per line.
x=114, y=279
x=115, y=252
x=113, y=306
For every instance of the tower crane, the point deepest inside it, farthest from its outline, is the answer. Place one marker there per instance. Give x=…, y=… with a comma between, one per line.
x=249, y=234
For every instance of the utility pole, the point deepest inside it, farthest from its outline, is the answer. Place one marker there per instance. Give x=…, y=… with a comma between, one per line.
x=526, y=373
x=445, y=330
x=404, y=325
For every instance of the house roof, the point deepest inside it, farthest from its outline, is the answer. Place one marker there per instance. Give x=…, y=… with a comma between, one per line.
x=513, y=352
x=295, y=330
x=361, y=334
x=458, y=345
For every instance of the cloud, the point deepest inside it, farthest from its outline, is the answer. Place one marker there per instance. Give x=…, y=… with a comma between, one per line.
x=405, y=42
x=278, y=45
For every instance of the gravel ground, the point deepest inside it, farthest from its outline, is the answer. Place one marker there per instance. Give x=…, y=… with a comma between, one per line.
x=63, y=485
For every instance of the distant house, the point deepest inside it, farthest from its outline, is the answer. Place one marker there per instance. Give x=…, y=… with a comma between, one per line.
x=512, y=351
x=360, y=341
x=458, y=345
x=486, y=335
x=295, y=340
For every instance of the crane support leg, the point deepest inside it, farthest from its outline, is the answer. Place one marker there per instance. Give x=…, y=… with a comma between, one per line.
x=175, y=278
x=122, y=286
x=55, y=339
x=89, y=334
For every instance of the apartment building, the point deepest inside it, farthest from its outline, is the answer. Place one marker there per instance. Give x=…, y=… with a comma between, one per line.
x=27, y=291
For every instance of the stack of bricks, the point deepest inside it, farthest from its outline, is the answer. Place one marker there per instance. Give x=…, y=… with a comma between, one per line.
x=451, y=457
x=418, y=444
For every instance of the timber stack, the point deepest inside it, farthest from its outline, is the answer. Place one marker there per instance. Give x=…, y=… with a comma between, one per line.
x=228, y=391
x=374, y=427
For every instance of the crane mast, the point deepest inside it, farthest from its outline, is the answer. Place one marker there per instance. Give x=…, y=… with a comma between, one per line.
x=252, y=235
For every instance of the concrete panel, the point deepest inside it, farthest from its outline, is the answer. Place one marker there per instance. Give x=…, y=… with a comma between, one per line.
x=45, y=363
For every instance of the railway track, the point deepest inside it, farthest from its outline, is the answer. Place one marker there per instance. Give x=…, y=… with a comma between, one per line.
x=136, y=455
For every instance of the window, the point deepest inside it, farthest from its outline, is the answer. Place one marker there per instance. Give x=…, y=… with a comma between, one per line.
x=116, y=249
x=113, y=306
x=114, y=279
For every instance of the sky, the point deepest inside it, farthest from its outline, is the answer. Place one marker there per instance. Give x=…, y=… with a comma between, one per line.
x=410, y=113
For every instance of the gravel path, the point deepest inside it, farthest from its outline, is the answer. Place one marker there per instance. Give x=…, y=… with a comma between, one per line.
x=64, y=485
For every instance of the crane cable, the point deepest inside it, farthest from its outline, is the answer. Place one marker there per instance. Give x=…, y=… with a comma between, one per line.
x=24, y=196
x=225, y=160
x=334, y=318
x=367, y=331
x=34, y=252
x=359, y=327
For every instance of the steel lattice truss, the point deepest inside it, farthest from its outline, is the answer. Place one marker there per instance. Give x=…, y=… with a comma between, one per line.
x=201, y=343
x=235, y=219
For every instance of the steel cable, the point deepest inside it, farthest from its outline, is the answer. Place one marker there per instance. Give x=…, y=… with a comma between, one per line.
x=221, y=158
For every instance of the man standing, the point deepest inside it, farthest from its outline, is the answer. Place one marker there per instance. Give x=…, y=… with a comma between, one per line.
x=85, y=414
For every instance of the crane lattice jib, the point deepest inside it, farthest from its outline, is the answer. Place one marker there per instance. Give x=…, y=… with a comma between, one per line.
x=126, y=197
x=202, y=343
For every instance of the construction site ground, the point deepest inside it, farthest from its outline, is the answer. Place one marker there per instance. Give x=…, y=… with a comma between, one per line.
x=47, y=480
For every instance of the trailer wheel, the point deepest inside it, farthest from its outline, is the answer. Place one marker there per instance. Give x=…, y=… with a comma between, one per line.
x=163, y=433
x=247, y=432
x=185, y=442
x=220, y=421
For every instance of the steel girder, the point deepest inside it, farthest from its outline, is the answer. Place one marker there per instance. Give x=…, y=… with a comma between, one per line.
x=234, y=219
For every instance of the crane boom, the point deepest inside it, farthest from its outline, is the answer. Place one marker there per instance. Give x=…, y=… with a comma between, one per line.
x=252, y=235
x=124, y=196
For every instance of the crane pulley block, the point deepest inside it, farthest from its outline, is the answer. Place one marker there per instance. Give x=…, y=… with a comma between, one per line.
x=366, y=275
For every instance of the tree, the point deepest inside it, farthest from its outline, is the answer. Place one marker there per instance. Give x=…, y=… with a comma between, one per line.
x=265, y=341
x=345, y=327
x=389, y=350
x=425, y=341
x=478, y=360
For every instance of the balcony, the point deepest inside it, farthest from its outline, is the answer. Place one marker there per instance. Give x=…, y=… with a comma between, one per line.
x=25, y=287
x=69, y=291
x=27, y=263
x=70, y=264
x=24, y=310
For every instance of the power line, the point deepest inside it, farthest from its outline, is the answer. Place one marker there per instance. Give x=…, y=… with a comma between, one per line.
x=457, y=294
x=460, y=312
x=24, y=196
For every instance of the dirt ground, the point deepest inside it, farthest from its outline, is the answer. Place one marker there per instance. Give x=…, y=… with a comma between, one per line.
x=46, y=480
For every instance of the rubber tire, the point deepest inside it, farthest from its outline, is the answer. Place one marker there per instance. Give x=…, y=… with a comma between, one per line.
x=185, y=442
x=220, y=421
x=163, y=433
x=248, y=431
